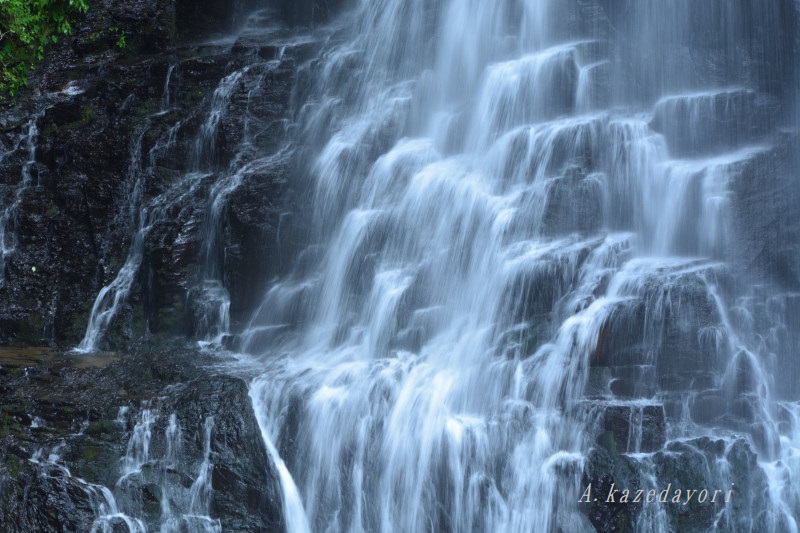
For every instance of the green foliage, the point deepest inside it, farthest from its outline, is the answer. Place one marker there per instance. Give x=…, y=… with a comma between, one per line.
x=114, y=32
x=27, y=28
x=121, y=44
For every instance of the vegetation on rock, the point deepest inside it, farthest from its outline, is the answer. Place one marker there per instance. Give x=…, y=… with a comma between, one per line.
x=27, y=27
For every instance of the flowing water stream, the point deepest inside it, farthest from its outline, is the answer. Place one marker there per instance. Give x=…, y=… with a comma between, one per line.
x=519, y=224
x=26, y=142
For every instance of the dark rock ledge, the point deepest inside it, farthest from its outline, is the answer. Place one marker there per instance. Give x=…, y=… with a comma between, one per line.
x=69, y=406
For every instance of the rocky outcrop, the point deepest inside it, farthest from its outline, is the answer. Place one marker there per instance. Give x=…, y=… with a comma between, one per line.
x=72, y=442
x=70, y=222
x=116, y=130
x=714, y=465
x=45, y=498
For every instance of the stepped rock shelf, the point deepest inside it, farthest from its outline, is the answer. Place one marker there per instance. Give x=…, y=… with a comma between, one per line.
x=405, y=265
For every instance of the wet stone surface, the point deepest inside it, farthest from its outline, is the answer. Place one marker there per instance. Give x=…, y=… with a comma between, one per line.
x=64, y=438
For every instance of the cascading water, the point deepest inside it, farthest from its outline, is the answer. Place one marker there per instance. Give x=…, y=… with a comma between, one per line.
x=108, y=516
x=147, y=214
x=205, y=171
x=24, y=143
x=184, y=507
x=199, y=519
x=7, y=238
x=113, y=295
x=211, y=294
x=522, y=228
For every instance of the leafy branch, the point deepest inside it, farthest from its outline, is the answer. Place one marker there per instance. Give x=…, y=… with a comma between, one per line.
x=27, y=28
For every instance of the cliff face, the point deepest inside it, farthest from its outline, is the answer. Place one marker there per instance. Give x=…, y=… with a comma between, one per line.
x=114, y=160
x=100, y=118
x=111, y=159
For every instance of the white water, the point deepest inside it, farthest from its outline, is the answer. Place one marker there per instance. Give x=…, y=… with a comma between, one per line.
x=183, y=507
x=147, y=213
x=8, y=241
x=485, y=220
x=109, y=517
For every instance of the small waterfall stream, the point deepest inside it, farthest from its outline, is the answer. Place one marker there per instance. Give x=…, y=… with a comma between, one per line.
x=7, y=237
x=146, y=213
x=203, y=171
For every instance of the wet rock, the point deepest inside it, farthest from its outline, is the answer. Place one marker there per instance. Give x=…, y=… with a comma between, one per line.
x=672, y=324
x=635, y=381
x=574, y=203
x=75, y=223
x=80, y=439
x=256, y=211
x=708, y=406
x=44, y=498
x=759, y=60
x=713, y=121
x=630, y=428
x=705, y=463
x=606, y=472
x=714, y=465
x=765, y=214
x=197, y=19
x=73, y=209
x=245, y=490
x=148, y=26
x=305, y=12
x=532, y=293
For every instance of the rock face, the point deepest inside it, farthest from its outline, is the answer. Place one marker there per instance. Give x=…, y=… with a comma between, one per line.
x=243, y=479
x=574, y=203
x=44, y=498
x=714, y=121
x=697, y=464
x=71, y=210
x=113, y=139
x=107, y=142
x=75, y=439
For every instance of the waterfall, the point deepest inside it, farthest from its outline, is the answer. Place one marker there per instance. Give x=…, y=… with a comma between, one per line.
x=140, y=219
x=27, y=142
x=210, y=296
x=147, y=213
x=108, y=516
x=184, y=507
x=205, y=171
x=522, y=225
x=113, y=295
